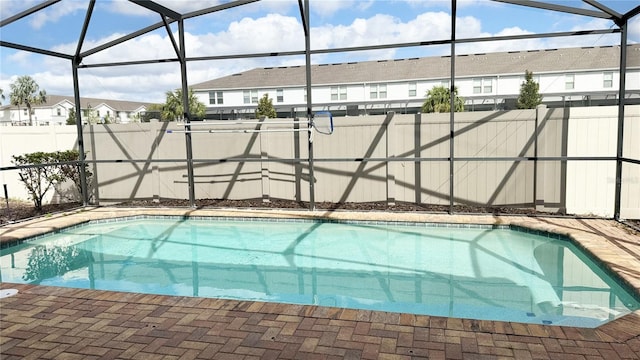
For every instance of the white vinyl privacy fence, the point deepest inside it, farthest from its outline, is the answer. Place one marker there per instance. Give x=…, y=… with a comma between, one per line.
x=569, y=167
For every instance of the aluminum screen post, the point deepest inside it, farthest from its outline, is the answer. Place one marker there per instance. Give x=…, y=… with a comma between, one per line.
x=620, y=144
x=6, y=195
x=186, y=115
x=307, y=54
x=78, y=108
x=452, y=103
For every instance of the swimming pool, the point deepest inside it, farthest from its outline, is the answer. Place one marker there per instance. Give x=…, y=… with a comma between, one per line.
x=483, y=272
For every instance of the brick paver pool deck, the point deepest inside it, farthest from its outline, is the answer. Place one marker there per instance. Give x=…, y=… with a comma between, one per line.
x=42, y=322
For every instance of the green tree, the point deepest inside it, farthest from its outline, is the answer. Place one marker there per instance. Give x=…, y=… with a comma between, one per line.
x=439, y=100
x=173, y=110
x=1, y=96
x=38, y=176
x=25, y=91
x=529, y=92
x=71, y=119
x=154, y=111
x=265, y=108
x=136, y=117
x=91, y=115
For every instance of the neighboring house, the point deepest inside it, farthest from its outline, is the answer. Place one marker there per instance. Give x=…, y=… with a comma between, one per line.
x=56, y=111
x=567, y=77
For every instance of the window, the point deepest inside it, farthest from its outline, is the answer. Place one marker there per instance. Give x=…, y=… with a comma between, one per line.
x=483, y=86
x=338, y=93
x=378, y=91
x=212, y=97
x=607, y=80
x=279, y=95
x=248, y=96
x=25, y=112
x=487, y=84
x=569, y=81
x=413, y=89
x=305, y=94
x=477, y=86
x=215, y=97
x=59, y=112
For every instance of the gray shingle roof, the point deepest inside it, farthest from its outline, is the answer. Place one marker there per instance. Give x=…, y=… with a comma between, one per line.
x=118, y=105
x=515, y=62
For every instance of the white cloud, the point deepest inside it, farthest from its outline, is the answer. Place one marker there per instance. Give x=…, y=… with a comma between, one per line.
x=502, y=45
x=382, y=29
x=147, y=47
x=52, y=14
x=634, y=30
x=326, y=8
x=446, y=4
x=149, y=82
x=125, y=7
x=586, y=40
x=56, y=12
x=272, y=33
x=329, y=7
x=20, y=57
x=181, y=6
x=10, y=8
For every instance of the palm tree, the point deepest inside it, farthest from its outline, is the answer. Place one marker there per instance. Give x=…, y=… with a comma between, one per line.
x=439, y=100
x=25, y=91
x=173, y=110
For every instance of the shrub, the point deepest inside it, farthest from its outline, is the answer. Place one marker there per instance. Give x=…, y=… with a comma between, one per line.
x=69, y=168
x=40, y=171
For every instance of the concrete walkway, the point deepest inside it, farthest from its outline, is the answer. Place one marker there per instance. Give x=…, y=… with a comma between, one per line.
x=49, y=322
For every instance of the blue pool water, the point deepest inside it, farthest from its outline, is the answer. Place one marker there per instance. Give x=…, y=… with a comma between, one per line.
x=479, y=273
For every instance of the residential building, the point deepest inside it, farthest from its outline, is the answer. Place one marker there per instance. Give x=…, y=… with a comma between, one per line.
x=583, y=76
x=55, y=111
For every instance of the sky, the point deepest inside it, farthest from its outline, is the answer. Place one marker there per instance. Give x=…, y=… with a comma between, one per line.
x=264, y=27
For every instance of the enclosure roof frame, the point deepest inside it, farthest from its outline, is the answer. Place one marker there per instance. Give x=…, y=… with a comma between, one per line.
x=169, y=16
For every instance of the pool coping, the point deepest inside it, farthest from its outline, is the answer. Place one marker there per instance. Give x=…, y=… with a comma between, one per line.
x=605, y=240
